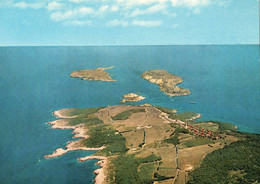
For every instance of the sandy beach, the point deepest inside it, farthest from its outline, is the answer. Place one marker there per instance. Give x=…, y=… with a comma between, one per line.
x=99, y=172
x=195, y=117
x=60, y=113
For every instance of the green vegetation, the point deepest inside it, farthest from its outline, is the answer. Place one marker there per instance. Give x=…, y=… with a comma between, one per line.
x=181, y=130
x=126, y=169
x=208, y=126
x=166, y=110
x=216, y=126
x=175, y=138
x=151, y=158
x=105, y=136
x=84, y=116
x=183, y=116
x=180, y=116
x=146, y=172
x=223, y=126
x=158, y=177
x=87, y=122
x=83, y=112
x=238, y=162
x=126, y=114
x=198, y=142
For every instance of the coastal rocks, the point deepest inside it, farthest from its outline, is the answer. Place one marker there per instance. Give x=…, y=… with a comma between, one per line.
x=166, y=81
x=132, y=97
x=101, y=172
x=93, y=74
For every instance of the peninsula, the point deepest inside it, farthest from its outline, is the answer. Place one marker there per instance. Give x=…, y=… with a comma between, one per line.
x=132, y=97
x=153, y=144
x=93, y=74
x=166, y=81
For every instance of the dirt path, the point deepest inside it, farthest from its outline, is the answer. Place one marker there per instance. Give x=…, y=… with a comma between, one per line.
x=177, y=164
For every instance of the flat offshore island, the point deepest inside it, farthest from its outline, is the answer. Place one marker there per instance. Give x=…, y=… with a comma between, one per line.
x=152, y=144
x=166, y=81
x=93, y=74
x=132, y=97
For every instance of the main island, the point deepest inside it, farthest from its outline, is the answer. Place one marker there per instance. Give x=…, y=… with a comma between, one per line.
x=154, y=144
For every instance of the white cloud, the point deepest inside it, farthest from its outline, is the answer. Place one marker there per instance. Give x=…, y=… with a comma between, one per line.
x=224, y=3
x=80, y=12
x=175, y=25
x=175, y=3
x=77, y=1
x=114, y=8
x=77, y=23
x=153, y=23
x=54, y=6
x=139, y=2
x=102, y=9
x=153, y=9
x=25, y=5
x=71, y=12
x=117, y=22
x=196, y=11
x=84, y=10
x=171, y=14
x=190, y=3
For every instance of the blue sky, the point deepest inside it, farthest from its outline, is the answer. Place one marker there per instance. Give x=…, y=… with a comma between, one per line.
x=128, y=22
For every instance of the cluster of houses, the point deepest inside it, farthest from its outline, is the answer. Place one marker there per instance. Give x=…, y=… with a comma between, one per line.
x=200, y=131
x=196, y=130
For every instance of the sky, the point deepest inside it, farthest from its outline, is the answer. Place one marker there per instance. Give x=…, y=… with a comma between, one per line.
x=128, y=22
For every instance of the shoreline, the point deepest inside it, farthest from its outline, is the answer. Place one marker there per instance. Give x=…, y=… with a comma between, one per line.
x=167, y=82
x=195, y=117
x=80, y=132
x=98, y=74
x=100, y=173
x=58, y=114
x=132, y=97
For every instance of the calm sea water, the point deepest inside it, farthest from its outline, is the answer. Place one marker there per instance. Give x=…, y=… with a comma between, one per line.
x=34, y=81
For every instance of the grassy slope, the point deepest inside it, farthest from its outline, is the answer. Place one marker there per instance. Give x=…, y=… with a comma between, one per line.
x=126, y=114
x=83, y=112
x=173, y=115
x=126, y=169
x=217, y=126
x=198, y=142
x=238, y=162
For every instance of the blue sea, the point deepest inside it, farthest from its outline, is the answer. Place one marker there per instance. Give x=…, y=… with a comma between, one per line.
x=34, y=81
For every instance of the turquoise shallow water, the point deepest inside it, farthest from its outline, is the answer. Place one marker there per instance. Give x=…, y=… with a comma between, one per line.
x=34, y=81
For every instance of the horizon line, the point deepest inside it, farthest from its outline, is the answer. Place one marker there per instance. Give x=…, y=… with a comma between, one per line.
x=122, y=45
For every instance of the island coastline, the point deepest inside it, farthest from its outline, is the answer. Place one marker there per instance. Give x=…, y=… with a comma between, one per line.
x=166, y=81
x=132, y=97
x=93, y=74
x=138, y=119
